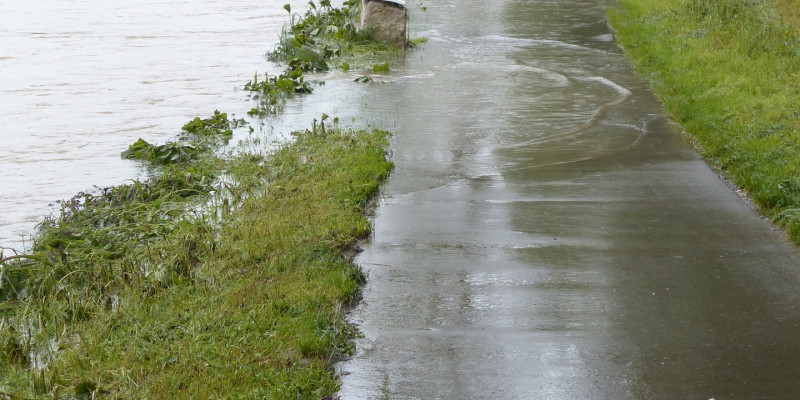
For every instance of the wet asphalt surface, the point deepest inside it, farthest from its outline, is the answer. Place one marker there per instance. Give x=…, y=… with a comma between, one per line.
x=548, y=234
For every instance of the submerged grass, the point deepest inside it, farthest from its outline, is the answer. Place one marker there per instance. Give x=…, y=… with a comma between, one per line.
x=323, y=35
x=155, y=299
x=325, y=32
x=727, y=71
x=271, y=92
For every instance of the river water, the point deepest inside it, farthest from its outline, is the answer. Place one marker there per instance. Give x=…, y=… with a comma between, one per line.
x=82, y=79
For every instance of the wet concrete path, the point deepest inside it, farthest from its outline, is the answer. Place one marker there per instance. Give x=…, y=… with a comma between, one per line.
x=547, y=234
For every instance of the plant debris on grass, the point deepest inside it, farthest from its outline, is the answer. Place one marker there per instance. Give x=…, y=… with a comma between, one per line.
x=199, y=137
x=311, y=43
x=727, y=71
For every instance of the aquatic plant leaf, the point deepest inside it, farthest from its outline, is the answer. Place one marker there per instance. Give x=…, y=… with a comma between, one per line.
x=137, y=150
x=381, y=68
x=216, y=125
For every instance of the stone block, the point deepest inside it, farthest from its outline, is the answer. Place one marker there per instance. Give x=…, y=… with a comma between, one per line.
x=386, y=19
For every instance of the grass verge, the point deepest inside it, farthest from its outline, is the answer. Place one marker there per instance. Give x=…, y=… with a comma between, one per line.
x=241, y=297
x=727, y=71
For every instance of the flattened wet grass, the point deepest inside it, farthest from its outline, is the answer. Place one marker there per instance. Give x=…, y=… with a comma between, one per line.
x=249, y=306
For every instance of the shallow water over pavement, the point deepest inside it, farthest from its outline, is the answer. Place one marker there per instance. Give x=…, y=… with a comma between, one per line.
x=548, y=234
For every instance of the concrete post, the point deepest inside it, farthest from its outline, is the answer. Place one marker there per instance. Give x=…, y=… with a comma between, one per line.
x=386, y=19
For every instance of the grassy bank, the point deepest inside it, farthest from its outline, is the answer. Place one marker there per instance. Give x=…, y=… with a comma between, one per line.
x=727, y=71
x=236, y=301
x=223, y=275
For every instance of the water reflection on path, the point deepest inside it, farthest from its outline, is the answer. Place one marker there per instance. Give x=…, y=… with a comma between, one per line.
x=548, y=234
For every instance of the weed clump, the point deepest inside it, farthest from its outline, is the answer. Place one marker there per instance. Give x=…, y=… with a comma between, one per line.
x=309, y=44
x=199, y=137
x=271, y=92
x=216, y=126
x=322, y=33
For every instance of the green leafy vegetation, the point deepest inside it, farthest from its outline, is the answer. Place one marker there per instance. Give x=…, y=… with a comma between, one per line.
x=325, y=33
x=727, y=71
x=417, y=42
x=187, y=286
x=218, y=125
x=380, y=68
x=271, y=92
x=163, y=154
x=322, y=33
x=199, y=137
x=311, y=43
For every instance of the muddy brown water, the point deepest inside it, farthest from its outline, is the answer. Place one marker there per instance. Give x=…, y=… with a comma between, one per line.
x=80, y=80
x=549, y=234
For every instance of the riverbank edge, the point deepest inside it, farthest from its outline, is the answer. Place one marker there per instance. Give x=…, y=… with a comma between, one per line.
x=242, y=300
x=261, y=314
x=731, y=94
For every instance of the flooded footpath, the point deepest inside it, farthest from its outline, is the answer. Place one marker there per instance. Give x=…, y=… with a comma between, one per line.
x=549, y=234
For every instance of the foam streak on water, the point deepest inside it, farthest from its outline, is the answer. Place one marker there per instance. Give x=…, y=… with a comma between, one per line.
x=82, y=79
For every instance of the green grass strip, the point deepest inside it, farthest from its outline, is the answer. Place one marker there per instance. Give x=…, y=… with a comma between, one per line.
x=248, y=306
x=727, y=70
